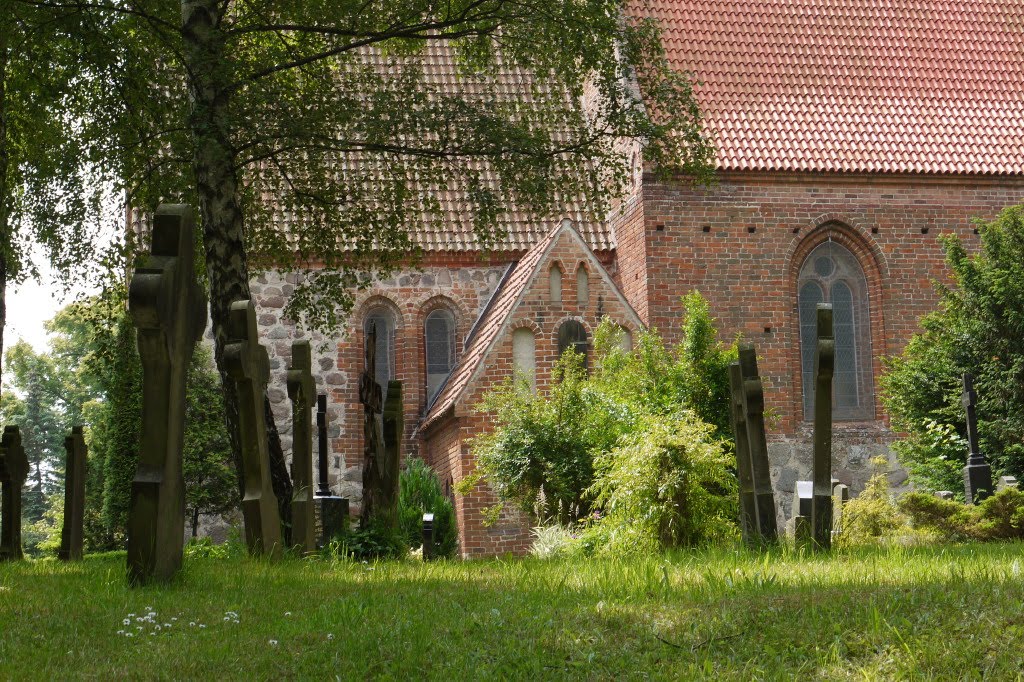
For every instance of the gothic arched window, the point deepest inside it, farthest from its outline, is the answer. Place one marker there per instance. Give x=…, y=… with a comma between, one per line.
x=582, y=287
x=572, y=334
x=439, y=343
x=831, y=274
x=383, y=320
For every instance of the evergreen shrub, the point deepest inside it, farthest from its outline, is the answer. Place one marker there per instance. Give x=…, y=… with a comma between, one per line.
x=420, y=492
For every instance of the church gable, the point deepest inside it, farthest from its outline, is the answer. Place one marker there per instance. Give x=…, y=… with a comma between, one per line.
x=554, y=297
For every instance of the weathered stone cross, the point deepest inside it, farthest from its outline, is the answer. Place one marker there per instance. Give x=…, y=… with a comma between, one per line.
x=302, y=391
x=977, y=473
x=13, y=472
x=249, y=367
x=753, y=407
x=169, y=312
x=371, y=397
x=821, y=504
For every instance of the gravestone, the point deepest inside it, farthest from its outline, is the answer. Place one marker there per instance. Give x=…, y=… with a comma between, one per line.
x=333, y=509
x=748, y=504
x=821, y=509
x=840, y=496
x=302, y=391
x=428, y=537
x=394, y=429
x=977, y=473
x=377, y=497
x=249, y=367
x=13, y=472
x=74, y=497
x=944, y=494
x=169, y=314
x=1006, y=482
x=757, y=442
x=803, y=510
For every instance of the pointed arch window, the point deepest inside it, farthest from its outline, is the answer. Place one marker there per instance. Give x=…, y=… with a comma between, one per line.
x=831, y=274
x=572, y=334
x=524, y=353
x=439, y=344
x=582, y=287
x=382, y=319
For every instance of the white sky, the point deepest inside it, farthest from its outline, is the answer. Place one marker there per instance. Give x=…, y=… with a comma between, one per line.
x=32, y=303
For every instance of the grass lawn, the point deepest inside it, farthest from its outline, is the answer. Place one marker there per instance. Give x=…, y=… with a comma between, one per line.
x=942, y=613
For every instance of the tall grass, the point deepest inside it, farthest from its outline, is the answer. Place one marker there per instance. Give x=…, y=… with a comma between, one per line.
x=949, y=612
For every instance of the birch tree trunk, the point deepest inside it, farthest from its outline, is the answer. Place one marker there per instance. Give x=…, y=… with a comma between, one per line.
x=213, y=165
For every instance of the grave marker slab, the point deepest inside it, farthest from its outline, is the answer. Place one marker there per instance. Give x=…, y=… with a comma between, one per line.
x=803, y=509
x=749, y=524
x=74, y=497
x=13, y=472
x=249, y=366
x=428, y=537
x=944, y=494
x=302, y=391
x=977, y=473
x=821, y=511
x=840, y=496
x=753, y=408
x=1006, y=482
x=169, y=314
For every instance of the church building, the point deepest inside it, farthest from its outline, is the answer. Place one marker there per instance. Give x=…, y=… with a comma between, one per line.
x=849, y=135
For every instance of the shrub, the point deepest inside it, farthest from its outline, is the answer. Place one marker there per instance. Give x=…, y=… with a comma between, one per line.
x=550, y=542
x=977, y=328
x=666, y=485
x=872, y=516
x=420, y=492
x=374, y=541
x=999, y=517
x=947, y=519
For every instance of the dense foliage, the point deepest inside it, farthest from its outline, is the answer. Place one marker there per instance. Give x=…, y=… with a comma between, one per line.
x=978, y=328
x=636, y=451
x=419, y=493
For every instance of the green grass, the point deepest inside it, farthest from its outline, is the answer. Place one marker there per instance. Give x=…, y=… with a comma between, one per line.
x=941, y=613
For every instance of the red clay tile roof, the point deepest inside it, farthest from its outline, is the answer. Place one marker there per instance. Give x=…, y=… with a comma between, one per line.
x=489, y=326
x=890, y=86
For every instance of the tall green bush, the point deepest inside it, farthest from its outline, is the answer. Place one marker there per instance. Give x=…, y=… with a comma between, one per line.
x=570, y=451
x=978, y=328
x=419, y=493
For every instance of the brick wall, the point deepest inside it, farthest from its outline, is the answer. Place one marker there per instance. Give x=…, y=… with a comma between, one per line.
x=742, y=242
x=538, y=312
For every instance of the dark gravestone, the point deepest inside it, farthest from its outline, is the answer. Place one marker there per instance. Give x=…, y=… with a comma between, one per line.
x=748, y=504
x=74, y=497
x=169, y=313
x=248, y=365
x=333, y=509
x=757, y=440
x=13, y=471
x=428, y=537
x=302, y=392
x=374, y=460
x=821, y=510
x=977, y=473
x=389, y=471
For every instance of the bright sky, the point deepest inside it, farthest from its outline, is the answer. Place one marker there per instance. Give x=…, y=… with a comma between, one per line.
x=31, y=304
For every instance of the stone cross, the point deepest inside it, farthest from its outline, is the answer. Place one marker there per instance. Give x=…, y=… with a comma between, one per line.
x=302, y=391
x=821, y=509
x=977, y=473
x=333, y=509
x=74, y=497
x=749, y=524
x=13, y=472
x=248, y=365
x=370, y=395
x=394, y=430
x=169, y=313
x=757, y=440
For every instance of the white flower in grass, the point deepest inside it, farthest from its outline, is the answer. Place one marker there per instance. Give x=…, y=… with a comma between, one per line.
x=120, y=632
x=192, y=624
x=201, y=625
x=128, y=634
x=273, y=642
x=167, y=625
x=330, y=636
x=287, y=613
x=227, y=618
x=138, y=627
x=158, y=628
x=131, y=615
x=174, y=620
x=127, y=621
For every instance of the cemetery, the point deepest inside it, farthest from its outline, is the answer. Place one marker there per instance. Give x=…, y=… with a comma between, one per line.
x=420, y=350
